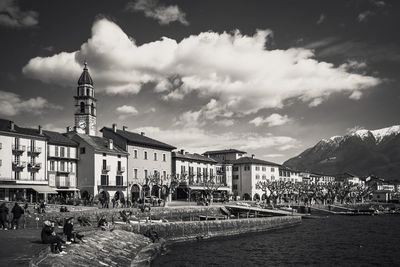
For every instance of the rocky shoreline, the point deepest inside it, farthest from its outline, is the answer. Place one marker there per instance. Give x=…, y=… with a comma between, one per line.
x=127, y=246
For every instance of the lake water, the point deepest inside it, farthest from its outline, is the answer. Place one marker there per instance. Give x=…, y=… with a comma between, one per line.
x=335, y=240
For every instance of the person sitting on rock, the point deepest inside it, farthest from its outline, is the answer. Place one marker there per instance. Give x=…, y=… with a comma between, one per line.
x=152, y=234
x=68, y=230
x=49, y=236
x=104, y=224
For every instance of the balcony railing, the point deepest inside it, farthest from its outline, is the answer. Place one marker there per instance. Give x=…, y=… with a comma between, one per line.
x=17, y=149
x=64, y=171
x=34, y=150
x=34, y=167
x=105, y=169
x=121, y=170
x=18, y=166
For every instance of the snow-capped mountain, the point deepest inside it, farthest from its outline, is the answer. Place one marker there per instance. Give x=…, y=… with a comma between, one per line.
x=362, y=152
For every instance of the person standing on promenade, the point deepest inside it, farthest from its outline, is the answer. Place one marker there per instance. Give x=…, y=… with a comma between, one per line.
x=17, y=212
x=3, y=215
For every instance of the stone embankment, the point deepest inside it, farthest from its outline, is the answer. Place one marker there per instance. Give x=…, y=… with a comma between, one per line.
x=103, y=248
x=189, y=230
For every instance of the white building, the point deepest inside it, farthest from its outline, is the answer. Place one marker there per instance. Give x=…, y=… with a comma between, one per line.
x=288, y=175
x=147, y=157
x=198, y=173
x=62, y=159
x=101, y=167
x=247, y=172
x=23, y=163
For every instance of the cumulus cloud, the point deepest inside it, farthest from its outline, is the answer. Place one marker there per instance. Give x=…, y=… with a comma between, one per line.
x=225, y=122
x=199, y=140
x=274, y=119
x=321, y=19
x=126, y=111
x=273, y=155
x=163, y=14
x=363, y=17
x=12, y=16
x=11, y=104
x=235, y=72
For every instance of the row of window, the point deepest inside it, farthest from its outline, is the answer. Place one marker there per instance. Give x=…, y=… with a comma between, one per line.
x=199, y=171
x=104, y=180
x=62, y=152
x=62, y=166
x=145, y=156
x=257, y=168
x=146, y=173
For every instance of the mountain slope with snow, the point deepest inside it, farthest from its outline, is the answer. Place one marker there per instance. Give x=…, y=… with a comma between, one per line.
x=362, y=152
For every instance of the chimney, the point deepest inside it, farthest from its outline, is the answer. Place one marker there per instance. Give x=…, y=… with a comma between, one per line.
x=182, y=151
x=110, y=144
x=252, y=156
x=114, y=127
x=141, y=133
x=124, y=128
x=40, y=129
x=12, y=126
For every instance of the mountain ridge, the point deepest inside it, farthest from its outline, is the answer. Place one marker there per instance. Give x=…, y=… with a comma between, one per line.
x=362, y=152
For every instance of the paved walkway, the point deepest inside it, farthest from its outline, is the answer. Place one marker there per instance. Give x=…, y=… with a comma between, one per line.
x=17, y=247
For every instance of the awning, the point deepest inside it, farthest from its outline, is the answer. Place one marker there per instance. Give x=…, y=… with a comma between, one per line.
x=43, y=189
x=16, y=186
x=67, y=189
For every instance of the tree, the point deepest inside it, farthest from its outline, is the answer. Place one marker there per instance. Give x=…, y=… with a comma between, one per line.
x=362, y=191
x=210, y=186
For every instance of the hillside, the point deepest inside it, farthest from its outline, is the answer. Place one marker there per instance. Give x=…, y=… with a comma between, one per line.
x=361, y=152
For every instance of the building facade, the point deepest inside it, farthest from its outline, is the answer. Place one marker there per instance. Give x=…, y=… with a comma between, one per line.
x=101, y=167
x=198, y=176
x=23, y=163
x=247, y=172
x=148, y=158
x=62, y=163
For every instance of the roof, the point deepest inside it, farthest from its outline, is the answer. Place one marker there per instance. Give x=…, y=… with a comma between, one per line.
x=282, y=167
x=5, y=126
x=193, y=157
x=56, y=138
x=85, y=77
x=224, y=151
x=100, y=144
x=250, y=160
x=135, y=138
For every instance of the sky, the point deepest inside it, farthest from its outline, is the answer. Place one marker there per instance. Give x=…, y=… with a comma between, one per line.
x=271, y=78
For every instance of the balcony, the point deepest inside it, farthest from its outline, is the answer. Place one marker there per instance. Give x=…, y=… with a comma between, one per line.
x=34, y=151
x=34, y=167
x=121, y=170
x=18, y=166
x=64, y=171
x=18, y=150
x=105, y=169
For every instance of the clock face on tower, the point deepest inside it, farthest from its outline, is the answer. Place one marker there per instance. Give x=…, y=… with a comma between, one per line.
x=82, y=125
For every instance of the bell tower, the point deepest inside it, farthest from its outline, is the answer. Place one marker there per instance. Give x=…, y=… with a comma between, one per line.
x=85, y=105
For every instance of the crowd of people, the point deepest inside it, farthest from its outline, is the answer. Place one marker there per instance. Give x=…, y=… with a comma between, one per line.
x=10, y=219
